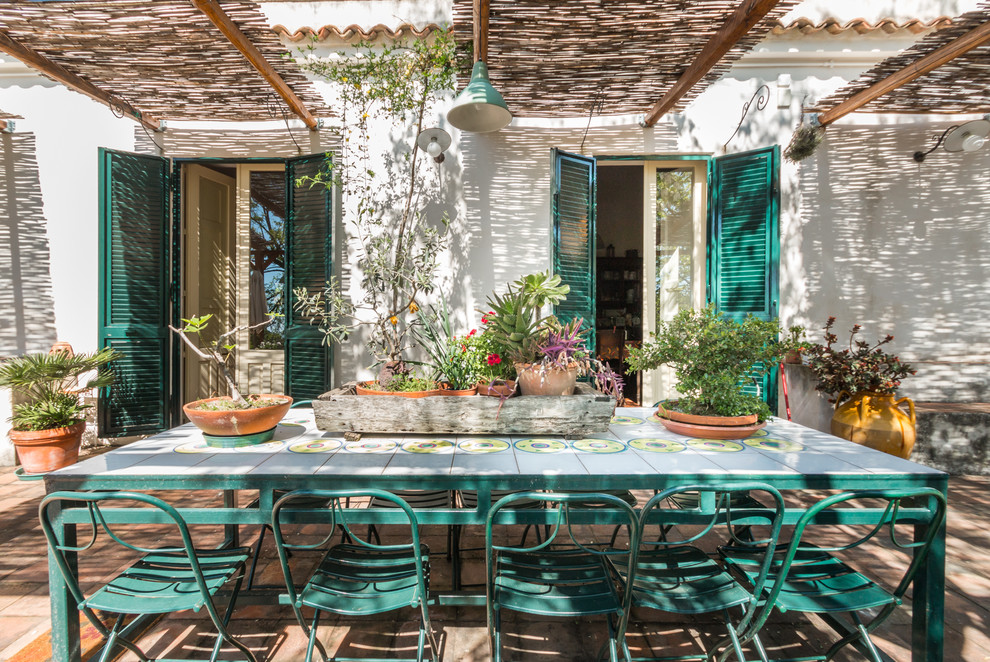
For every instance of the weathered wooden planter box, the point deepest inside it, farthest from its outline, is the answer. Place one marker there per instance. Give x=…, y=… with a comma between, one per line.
x=574, y=416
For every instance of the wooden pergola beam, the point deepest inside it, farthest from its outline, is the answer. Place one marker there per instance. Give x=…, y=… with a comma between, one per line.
x=3, y=125
x=742, y=20
x=219, y=18
x=481, y=10
x=71, y=80
x=967, y=42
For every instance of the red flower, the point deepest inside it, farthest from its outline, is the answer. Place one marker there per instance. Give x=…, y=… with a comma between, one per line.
x=494, y=359
x=485, y=318
x=472, y=332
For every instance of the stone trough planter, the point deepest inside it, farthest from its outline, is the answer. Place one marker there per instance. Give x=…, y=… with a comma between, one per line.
x=584, y=413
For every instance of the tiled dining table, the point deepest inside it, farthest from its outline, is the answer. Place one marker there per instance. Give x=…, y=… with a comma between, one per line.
x=635, y=453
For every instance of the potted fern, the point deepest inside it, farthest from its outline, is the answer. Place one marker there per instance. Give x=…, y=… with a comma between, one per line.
x=48, y=426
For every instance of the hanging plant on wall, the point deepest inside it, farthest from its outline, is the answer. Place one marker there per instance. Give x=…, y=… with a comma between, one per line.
x=385, y=194
x=806, y=139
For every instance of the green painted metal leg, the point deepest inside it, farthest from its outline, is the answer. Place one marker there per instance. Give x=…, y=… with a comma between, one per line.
x=312, y=637
x=65, y=615
x=928, y=601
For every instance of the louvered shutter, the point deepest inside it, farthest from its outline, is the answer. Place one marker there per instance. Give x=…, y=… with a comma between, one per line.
x=744, y=240
x=308, y=264
x=134, y=291
x=573, y=216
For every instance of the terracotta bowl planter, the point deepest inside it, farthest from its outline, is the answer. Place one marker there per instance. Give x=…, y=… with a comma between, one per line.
x=498, y=389
x=459, y=391
x=361, y=388
x=708, y=427
x=534, y=380
x=234, y=422
x=42, y=451
x=696, y=419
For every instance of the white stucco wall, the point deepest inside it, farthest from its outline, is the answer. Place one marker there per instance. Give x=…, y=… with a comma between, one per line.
x=864, y=234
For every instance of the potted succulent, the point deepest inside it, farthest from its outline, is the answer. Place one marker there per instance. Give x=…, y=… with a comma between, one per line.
x=227, y=419
x=862, y=379
x=713, y=356
x=48, y=427
x=795, y=344
x=518, y=327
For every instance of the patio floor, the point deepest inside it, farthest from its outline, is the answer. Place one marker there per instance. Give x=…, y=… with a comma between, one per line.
x=272, y=633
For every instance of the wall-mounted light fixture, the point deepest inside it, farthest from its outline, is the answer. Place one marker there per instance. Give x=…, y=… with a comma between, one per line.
x=434, y=142
x=967, y=137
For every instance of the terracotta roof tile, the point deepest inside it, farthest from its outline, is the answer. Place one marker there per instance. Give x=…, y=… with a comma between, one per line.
x=861, y=25
x=354, y=32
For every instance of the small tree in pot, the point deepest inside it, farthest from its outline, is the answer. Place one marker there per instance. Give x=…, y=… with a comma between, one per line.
x=713, y=357
x=48, y=428
x=234, y=415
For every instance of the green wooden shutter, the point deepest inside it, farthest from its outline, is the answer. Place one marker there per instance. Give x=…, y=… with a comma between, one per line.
x=744, y=240
x=308, y=264
x=573, y=215
x=134, y=282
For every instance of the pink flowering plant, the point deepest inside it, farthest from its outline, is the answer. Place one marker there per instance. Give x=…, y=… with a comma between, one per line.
x=861, y=366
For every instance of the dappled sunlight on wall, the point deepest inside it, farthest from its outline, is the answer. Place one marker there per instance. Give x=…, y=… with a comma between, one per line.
x=900, y=249
x=507, y=191
x=27, y=321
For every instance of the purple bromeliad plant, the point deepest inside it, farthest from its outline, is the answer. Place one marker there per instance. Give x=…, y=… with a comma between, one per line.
x=564, y=345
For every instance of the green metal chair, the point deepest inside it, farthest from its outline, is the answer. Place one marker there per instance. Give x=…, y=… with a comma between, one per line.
x=359, y=578
x=810, y=579
x=163, y=580
x=676, y=576
x=551, y=579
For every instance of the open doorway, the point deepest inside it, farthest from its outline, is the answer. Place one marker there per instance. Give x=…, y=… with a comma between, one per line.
x=233, y=268
x=651, y=243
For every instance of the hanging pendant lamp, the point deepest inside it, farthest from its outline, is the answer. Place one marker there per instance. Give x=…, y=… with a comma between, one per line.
x=479, y=108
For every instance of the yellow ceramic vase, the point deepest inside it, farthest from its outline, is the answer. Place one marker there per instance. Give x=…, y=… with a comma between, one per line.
x=875, y=420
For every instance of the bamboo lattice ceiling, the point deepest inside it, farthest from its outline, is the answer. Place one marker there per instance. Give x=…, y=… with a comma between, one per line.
x=553, y=59
x=164, y=57
x=960, y=86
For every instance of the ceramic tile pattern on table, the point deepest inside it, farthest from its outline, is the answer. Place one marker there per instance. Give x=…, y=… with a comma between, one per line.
x=635, y=445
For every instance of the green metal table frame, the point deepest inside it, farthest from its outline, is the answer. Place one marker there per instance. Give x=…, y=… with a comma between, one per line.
x=152, y=465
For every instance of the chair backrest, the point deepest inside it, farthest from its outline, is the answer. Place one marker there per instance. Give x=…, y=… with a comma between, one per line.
x=333, y=513
x=566, y=512
x=732, y=506
x=50, y=511
x=899, y=507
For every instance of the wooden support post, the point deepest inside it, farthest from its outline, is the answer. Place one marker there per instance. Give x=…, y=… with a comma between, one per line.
x=746, y=16
x=71, y=80
x=240, y=41
x=3, y=125
x=481, y=11
x=975, y=37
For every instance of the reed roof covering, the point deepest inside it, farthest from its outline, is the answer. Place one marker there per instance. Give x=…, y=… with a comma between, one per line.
x=164, y=57
x=8, y=116
x=962, y=85
x=555, y=59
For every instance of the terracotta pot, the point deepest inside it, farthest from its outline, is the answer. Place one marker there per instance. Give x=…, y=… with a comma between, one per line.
x=459, y=391
x=361, y=389
x=535, y=379
x=42, y=451
x=875, y=420
x=717, y=421
x=497, y=389
x=710, y=431
x=233, y=422
x=793, y=356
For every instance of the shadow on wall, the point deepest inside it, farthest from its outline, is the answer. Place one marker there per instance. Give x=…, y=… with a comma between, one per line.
x=278, y=143
x=27, y=323
x=902, y=249
x=507, y=192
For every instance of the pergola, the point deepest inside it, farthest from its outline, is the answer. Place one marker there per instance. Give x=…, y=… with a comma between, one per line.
x=946, y=72
x=220, y=60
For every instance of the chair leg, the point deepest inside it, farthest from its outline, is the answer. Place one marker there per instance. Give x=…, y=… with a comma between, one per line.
x=256, y=554
x=861, y=633
x=222, y=625
x=312, y=638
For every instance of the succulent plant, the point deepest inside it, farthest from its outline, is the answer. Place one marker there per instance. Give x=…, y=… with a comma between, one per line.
x=514, y=317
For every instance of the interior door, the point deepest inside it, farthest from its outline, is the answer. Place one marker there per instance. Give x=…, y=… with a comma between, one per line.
x=675, y=205
x=208, y=270
x=261, y=226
